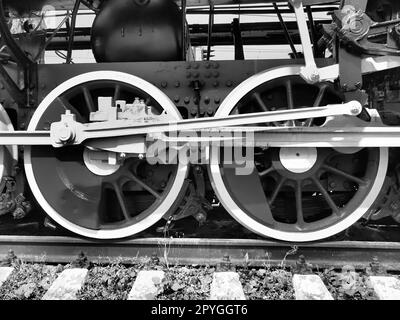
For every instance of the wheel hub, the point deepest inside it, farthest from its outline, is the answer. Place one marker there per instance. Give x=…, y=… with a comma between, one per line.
x=298, y=160
x=100, y=163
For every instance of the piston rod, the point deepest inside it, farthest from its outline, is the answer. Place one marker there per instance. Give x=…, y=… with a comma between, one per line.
x=319, y=137
x=68, y=131
x=363, y=137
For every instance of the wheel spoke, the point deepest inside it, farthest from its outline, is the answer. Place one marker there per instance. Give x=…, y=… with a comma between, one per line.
x=260, y=102
x=317, y=102
x=144, y=185
x=289, y=99
x=344, y=174
x=326, y=196
x=263, y=107
x=320, y=96
x=88, y=99
x=289, y=94
x=269, y=218
x=121, y=201
x=117, y=92
x=299, y=204
x=68, y=106
x=277, y=190
x=266, y=172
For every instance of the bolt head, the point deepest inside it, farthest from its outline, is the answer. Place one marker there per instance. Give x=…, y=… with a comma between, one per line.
x=315, y=76
x=356, y=110
x=65, y=133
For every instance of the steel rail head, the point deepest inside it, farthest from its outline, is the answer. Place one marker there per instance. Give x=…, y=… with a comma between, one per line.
x=186, y=250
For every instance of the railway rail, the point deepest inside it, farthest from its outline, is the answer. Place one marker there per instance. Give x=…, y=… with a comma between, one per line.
x=189, y=251
x=196, y=269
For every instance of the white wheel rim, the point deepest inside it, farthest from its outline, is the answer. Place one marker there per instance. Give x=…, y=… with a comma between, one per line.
x=8, y=154
x=181, y=172
x=239, y=215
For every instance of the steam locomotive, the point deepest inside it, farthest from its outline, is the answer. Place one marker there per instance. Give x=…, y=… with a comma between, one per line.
x=87, y=142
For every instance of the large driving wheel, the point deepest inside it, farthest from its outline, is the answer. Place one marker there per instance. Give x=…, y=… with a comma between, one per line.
x=100, y=201
x=296, y=194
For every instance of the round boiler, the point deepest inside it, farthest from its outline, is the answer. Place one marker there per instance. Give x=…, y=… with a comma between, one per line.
x=137, y=30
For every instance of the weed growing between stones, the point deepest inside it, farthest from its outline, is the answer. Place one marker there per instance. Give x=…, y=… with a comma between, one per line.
x=29, y=281
x=111, y=282
x=183, y=283
x=348, y=284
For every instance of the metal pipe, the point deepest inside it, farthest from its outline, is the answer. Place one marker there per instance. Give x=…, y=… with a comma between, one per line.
x=237, y=39
x=313, y=31
x=183, y=30
x=244, y=11
x=286, y=31
x=54, y=33
x=90, y=6
x=71, y=31
x=210, y=30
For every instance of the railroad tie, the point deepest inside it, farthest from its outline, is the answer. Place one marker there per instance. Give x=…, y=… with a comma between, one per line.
x=5, y=273
x=226, y=286
x=386, y=288
x=310, y=287
x=147, y=285
x=67, y=285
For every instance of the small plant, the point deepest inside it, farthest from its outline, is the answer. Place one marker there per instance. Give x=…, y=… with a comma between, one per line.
x=112, y=282
x=182, y=283
x=347, y=284
x=292, y=251
x=267, y=283
x=29, y=281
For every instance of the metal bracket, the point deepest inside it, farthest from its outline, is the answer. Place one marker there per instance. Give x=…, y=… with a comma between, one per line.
x=355, y=28
x=310, y=72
